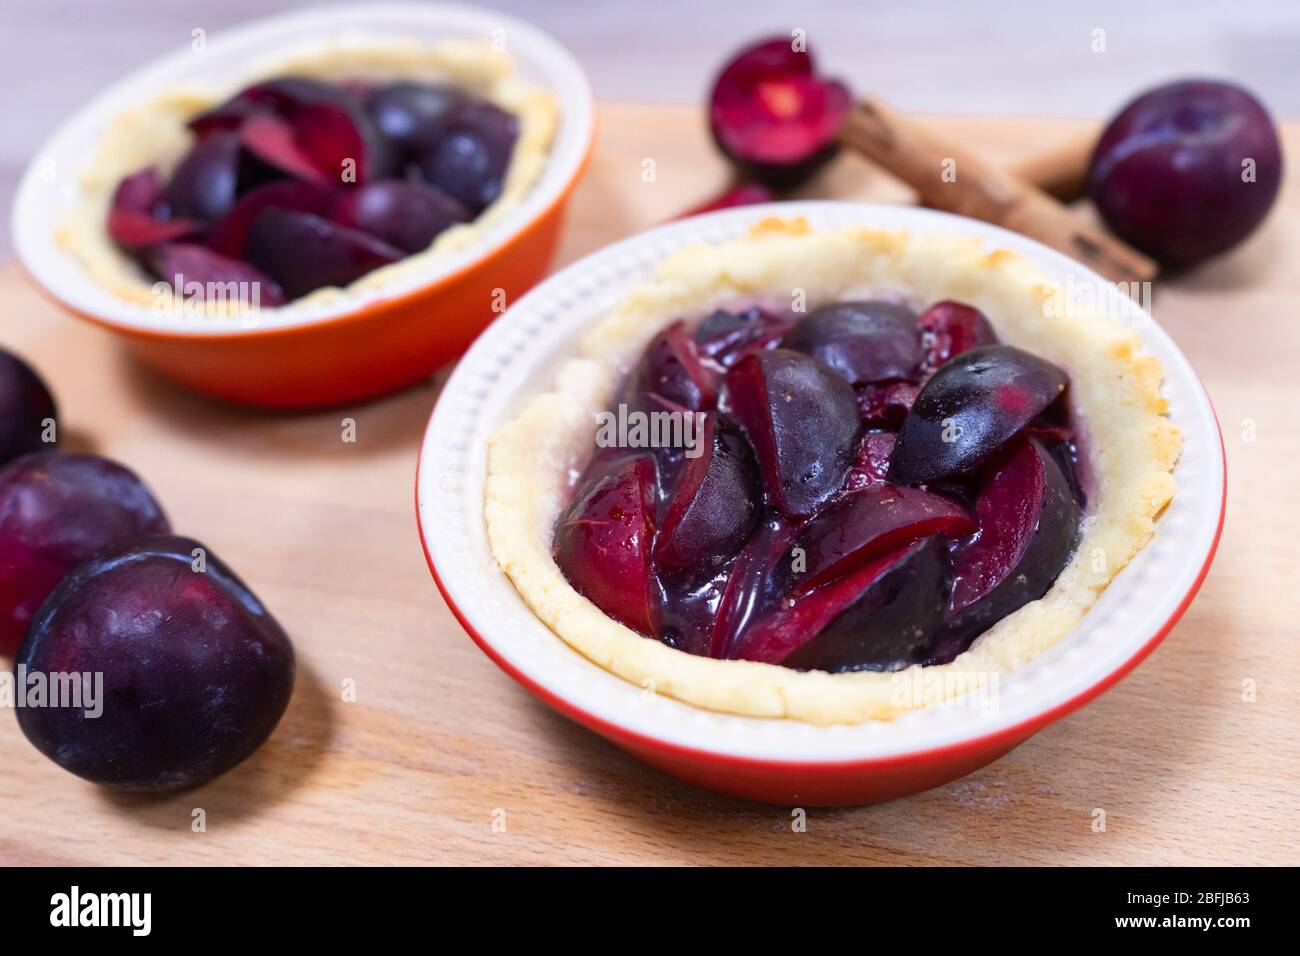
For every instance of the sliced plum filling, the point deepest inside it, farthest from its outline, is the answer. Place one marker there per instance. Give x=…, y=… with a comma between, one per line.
x=857, y=488
x=294, y=184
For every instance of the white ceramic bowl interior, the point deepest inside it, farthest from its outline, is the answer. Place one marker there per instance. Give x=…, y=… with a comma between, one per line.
x=48, y=192
x=518, y=354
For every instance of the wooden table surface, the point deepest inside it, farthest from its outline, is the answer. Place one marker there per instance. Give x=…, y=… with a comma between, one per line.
x=439, y=744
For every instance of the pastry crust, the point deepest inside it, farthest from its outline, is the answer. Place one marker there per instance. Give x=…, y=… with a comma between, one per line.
x=1130, y=449
x=154, y=133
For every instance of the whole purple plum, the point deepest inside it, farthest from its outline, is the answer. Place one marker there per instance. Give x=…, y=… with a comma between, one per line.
x=1187, y=170
x=194, y=673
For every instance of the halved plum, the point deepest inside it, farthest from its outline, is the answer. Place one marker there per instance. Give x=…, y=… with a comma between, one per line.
x=282, y=95
x=971, y=406
x=773, y=116
x=867, y=341
x=303, y=252
x=408, y=215
x=713, y=507
x=866, y=524
x=342, y=143
x=603, y=542
x=748, y=592
x=951, y=328
x=412, y=115
x=196, y=673
x=802, y=420
x=726, y=337
x=189, y=267
x=205, y=184
x=894, y=621
x=56, y=510
x=670, y=376
x=470, y=158
x=1028, y=528
x=27, y=410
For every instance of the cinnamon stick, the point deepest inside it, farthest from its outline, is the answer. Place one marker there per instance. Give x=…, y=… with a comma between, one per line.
x=1061, y=172
x=948, y=176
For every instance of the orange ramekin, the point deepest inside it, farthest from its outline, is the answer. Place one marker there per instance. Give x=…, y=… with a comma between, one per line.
x=363, y=344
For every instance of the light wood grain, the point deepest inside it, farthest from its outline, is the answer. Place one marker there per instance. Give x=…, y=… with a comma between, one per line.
x=439, y=738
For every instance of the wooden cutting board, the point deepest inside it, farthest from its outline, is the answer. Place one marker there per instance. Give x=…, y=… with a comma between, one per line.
x=439, y=743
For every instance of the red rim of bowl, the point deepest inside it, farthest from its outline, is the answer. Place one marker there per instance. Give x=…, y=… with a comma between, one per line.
x=1007, y=735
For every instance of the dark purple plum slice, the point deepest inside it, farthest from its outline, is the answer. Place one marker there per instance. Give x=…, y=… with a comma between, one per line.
x=727, y=337
x=866, y=524
x=27, y=411
x=56, y=510
x=670, y=376
x=1028, y=529
x=136, y=216
x=218, y=277
x=470, y=158
x=283, y=95
x=303, y=252
x=871, y=341
x=196, y=672
x=273, y=140
x=205, y=184
x=342, y=143
x=408, y=215
x=748, y=592
x=893, y=623
x=802, y=420
x=773, y=116
x=412, y=115
x=230, y=235
x=713, y=507
x=951, y=328
x=603, y=542
x=1187, y=170
x=971, y=406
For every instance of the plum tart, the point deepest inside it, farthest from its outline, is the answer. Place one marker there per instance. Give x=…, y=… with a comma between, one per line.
x=801, y=466
x=340, y=168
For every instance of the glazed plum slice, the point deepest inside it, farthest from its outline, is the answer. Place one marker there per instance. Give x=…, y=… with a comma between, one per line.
x=303, y=252
x=969, y=408
x=749, y=591
x=951, y=328
x=802, y=420
x=136, y=216
x=1028, y=527
x=872, y=341
x=205, y=184
x=27, y=410
x=196, y=672
x=230, y=236
x=407, y=215
x=56, y=510
x=713, y=507
x=773, y=116
x=866, y=524
x=885, y=617
x=603, y=542
x=670, y=376
x=727, y=337
x=469, y=160
x=272, y=139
